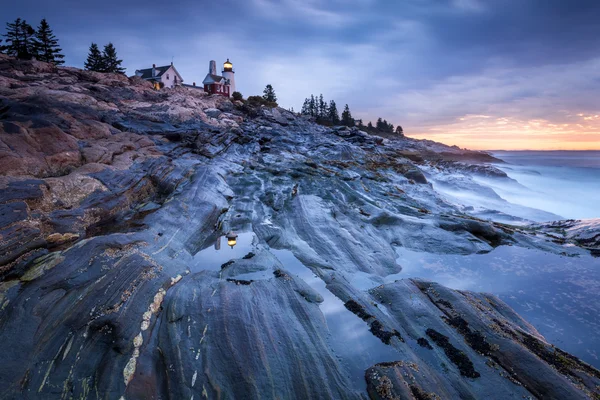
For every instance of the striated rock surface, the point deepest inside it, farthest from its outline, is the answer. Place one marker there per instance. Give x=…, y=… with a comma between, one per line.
x=584, y=233
x=112, y=196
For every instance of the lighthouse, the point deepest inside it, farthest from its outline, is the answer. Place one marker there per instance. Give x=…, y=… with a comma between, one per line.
x=229, y=74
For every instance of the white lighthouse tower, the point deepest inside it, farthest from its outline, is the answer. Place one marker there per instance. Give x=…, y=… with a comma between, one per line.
x=229, y=73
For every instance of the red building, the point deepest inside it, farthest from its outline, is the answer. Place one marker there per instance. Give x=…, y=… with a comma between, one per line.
x=216, y=84
x=217, y=88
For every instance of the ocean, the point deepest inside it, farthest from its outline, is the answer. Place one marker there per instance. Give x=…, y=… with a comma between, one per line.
x=558, y=294
x=566, y=183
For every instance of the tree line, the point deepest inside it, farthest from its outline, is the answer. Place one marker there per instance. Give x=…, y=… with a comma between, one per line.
x=25, y=42
x=326, y=113
x=22, y=41
x=381, y=126
x=105, y=61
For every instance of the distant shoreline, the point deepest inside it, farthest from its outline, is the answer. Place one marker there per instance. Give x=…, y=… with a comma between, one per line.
x=541, y=151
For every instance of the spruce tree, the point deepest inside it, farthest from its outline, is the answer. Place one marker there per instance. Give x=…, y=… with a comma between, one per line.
x=46, y=45
x=386, y=126
x=347, y=119
x=313, y=106
x=20, y=39
x=370, y=126
x=111, y=61
x=95, y=61
x=269, y=94
x=322, y=108
x=332, y=114
x=399, y=131
x=360, y=125
x=306, y=107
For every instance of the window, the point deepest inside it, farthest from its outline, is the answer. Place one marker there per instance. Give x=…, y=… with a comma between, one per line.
x=167, y=76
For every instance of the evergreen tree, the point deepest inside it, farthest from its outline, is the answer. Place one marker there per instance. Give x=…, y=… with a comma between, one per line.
x=20, y=39
x=306, y=107
x=379, y=124
x=2, y=47
x=322, y=108
x=237, y=96
x=385, y=127
x=370, y=126
x=360, y=125
x=111, y=61
x=95, y=61
x=269, y=94
x=312, y=106
x=332, y=114
x=46, y=45
x=347, y=119
x=399, y=131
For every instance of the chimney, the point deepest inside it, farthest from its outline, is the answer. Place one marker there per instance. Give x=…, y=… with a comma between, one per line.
x=153, y=70
x=213, y=67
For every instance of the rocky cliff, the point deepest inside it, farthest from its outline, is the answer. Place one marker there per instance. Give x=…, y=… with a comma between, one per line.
x=113, y=197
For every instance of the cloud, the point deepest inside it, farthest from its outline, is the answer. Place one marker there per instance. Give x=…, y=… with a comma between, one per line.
x=469, y=5
x=308, y=11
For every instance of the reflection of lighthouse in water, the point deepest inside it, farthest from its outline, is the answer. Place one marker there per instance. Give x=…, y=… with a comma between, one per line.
x=231, y=240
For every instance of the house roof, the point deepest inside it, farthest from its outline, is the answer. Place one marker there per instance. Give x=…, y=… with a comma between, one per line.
x=192, y=86
x=211, y=78
x=147, y=72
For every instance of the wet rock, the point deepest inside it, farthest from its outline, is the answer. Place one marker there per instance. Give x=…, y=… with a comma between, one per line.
x=12, y=212
x=424, y=343
x=416, y=175
x=103, y=286
x=465, y=366
x=212, y=112
x=585, y=233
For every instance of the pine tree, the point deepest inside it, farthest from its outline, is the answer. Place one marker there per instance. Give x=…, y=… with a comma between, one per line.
x=360, y=125
x=332, y=114
x=322, y=108
x=399, y=131
x=13, y=37
x=95, y=61
x=20, y=39
x=347, y=119
x=111, y=61
x=269, y=94
x=385, y=126
x=313, y=106
x=306, y=107
x=379, y=124
x=46, y=45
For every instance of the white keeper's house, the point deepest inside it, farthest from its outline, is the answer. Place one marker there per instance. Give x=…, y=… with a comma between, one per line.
x=213, y=83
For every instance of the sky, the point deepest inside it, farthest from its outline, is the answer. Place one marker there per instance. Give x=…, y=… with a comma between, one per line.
x=480, y=74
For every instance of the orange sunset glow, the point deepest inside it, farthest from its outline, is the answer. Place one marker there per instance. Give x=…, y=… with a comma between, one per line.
x=485, y=132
